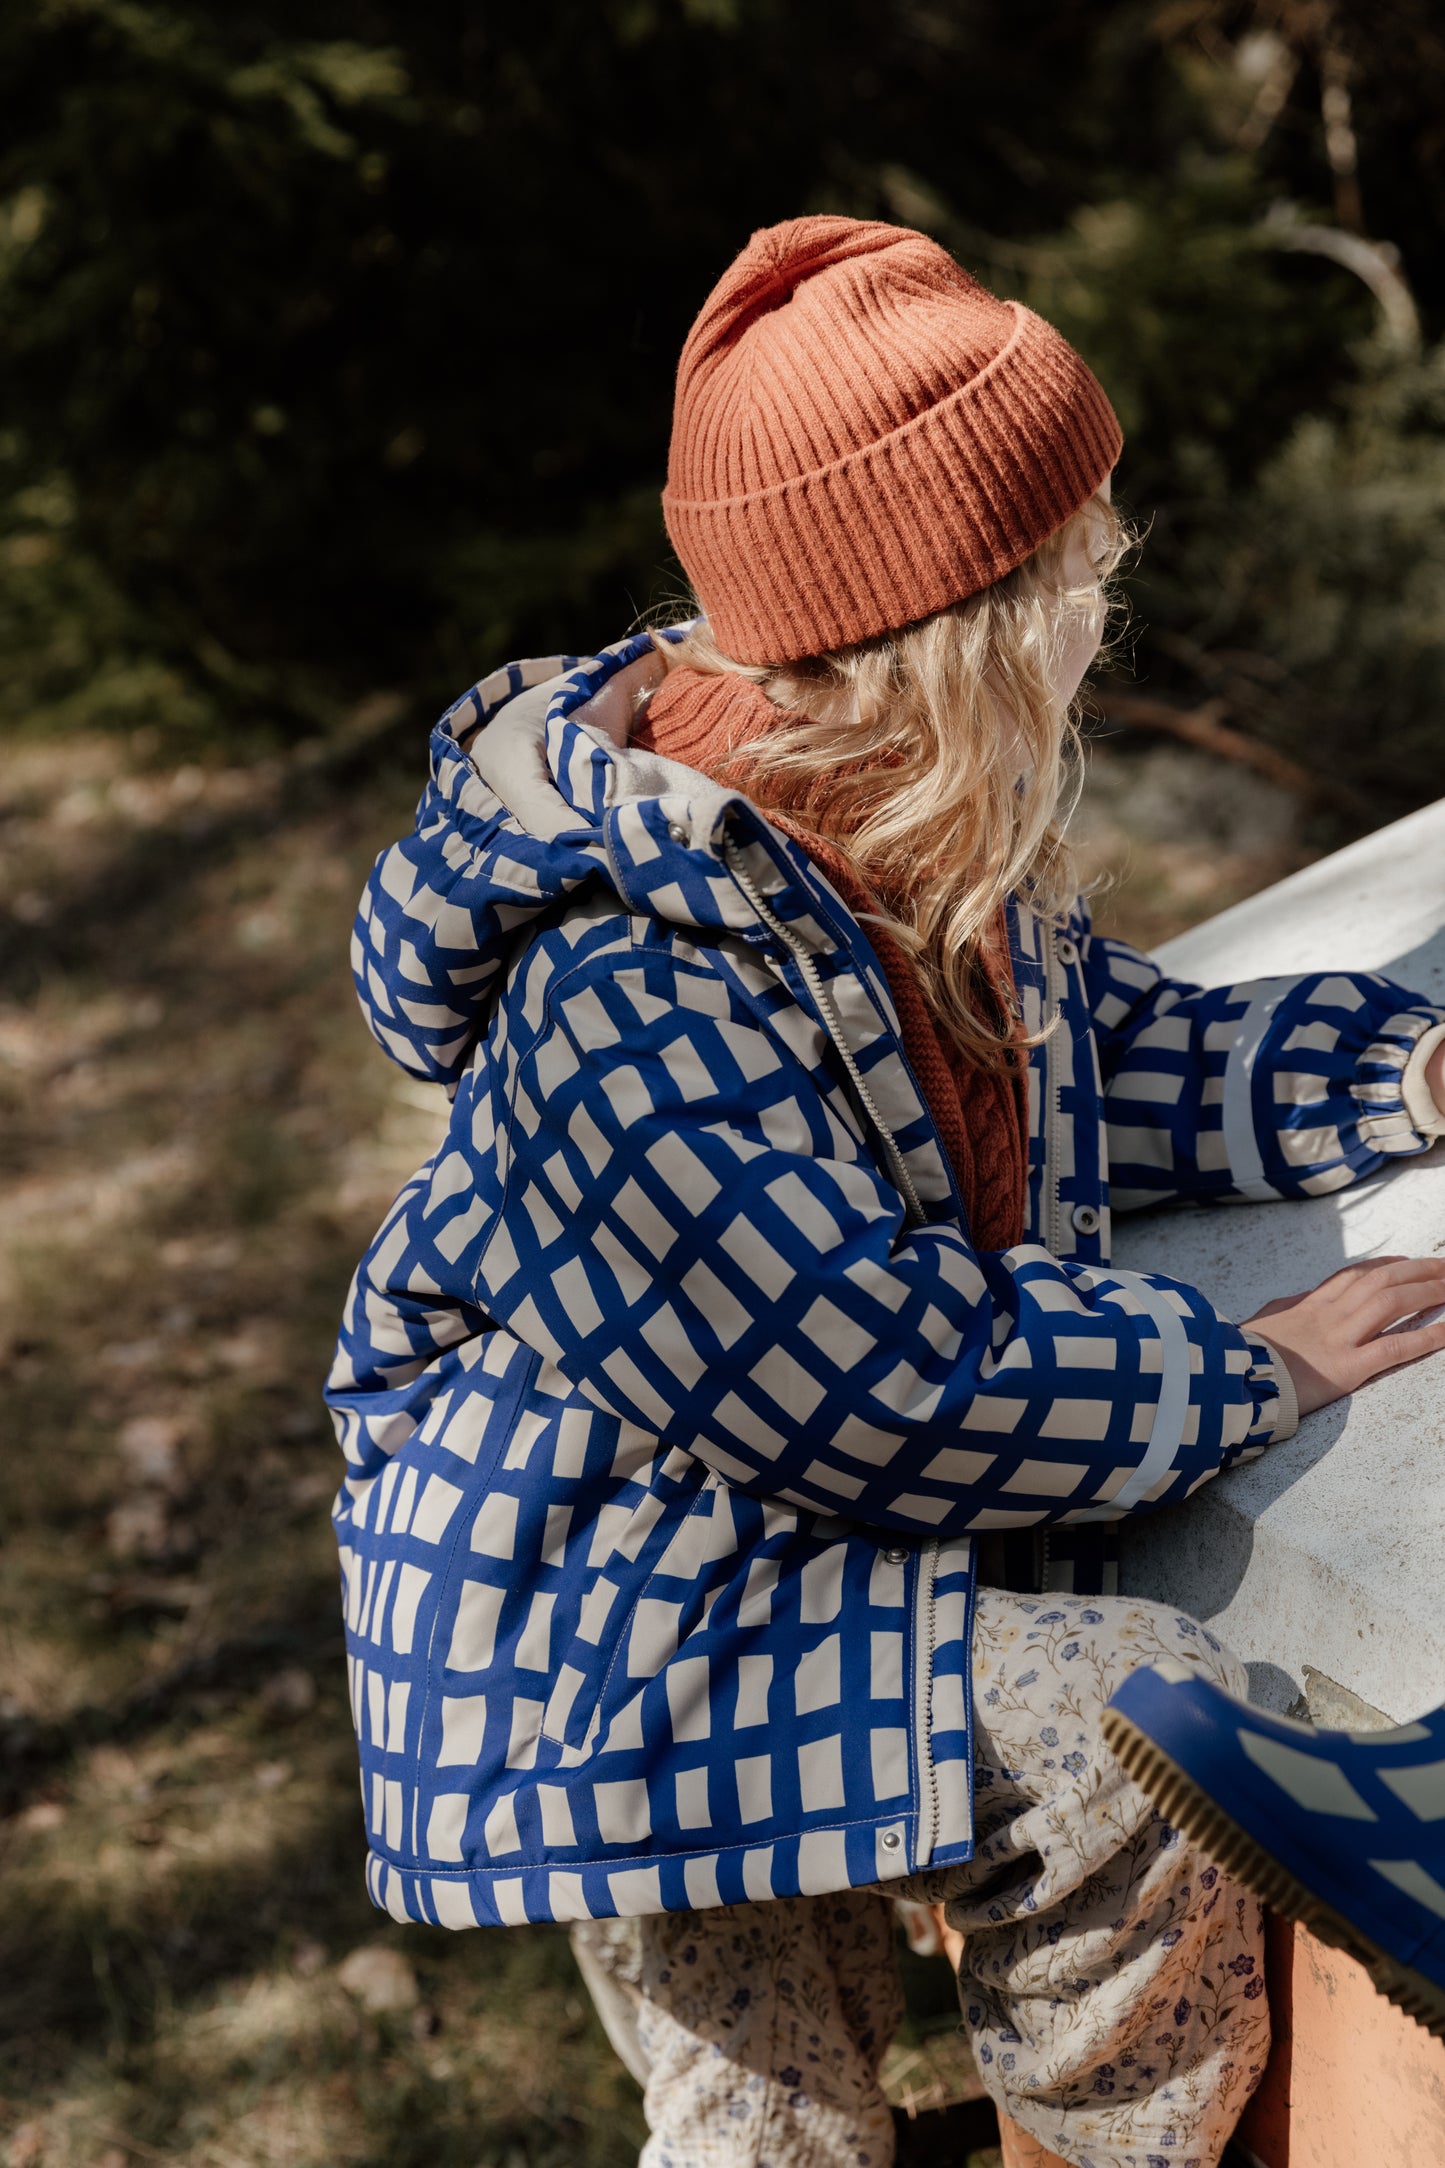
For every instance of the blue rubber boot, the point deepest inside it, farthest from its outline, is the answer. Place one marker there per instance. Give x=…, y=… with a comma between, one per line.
x=1342, y=1830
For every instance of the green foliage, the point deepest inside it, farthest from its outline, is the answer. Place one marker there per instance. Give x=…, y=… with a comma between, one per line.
x=338, y=343
x=1208, y=338
x=1316, y=601
x=81, y=651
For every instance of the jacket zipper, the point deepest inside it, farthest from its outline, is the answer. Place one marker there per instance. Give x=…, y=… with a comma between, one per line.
x=1053, y=1112
x=925, y=1612
x=925, y=1619
x=803, y=957
x=1053, y=1212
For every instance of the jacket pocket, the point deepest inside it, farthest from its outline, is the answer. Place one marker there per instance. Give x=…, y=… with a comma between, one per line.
x=621, y=1625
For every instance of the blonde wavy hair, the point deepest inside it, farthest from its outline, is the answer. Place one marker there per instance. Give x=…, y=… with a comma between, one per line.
x=940, y=763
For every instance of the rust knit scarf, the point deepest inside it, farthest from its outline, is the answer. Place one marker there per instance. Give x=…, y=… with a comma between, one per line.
x=699, y=720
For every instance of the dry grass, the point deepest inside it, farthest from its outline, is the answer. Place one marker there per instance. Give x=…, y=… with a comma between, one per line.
x=197, y=1141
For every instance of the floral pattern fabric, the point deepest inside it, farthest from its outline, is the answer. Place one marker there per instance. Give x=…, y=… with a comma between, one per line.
x=756, y=2031
x=1112, y=1977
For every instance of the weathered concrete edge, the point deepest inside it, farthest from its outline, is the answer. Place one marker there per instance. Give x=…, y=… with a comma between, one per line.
x=1294, y=1605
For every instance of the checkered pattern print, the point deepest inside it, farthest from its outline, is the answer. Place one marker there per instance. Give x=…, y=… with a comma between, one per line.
x=669, y=1428
x=1356, y=1818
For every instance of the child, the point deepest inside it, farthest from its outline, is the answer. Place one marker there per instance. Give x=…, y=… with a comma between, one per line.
x=762, y=1281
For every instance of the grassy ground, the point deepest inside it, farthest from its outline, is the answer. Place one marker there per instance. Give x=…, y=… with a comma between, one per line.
x=196, y=1139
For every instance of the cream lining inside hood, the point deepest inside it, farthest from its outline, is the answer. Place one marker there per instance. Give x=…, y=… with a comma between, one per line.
x=510, y=752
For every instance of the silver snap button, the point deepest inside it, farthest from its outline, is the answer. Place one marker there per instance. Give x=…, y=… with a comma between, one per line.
x=1086, y=1219
x=1065, y=950
x=676, y=830
x=891, y=1840
x=897, y=1556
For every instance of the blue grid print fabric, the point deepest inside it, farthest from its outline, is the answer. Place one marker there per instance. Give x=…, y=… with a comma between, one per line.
x=669, y=1431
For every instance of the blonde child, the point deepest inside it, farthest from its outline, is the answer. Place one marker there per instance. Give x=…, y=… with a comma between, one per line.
x=737, y=1406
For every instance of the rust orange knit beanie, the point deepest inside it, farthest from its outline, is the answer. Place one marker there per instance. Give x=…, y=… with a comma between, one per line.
x=863, y=434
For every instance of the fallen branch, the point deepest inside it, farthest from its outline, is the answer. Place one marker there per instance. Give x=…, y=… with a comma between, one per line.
x=1204, y=728
x=1376, y=263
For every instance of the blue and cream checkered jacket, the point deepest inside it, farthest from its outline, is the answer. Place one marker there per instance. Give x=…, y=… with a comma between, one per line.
x=673, y=1394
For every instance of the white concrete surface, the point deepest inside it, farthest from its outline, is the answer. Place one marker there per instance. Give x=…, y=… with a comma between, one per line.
x=1329, y=1552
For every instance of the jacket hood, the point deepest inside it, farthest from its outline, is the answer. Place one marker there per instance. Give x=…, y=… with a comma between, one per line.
x=534, y=793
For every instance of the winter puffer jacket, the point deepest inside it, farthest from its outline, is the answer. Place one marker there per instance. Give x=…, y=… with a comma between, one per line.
x=672, y=1392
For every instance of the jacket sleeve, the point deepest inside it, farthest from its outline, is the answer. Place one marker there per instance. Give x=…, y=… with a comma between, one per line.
x=1282, y=1087
x=699, y=1243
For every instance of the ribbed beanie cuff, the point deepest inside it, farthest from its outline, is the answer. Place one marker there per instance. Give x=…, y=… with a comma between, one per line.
x=957, y=432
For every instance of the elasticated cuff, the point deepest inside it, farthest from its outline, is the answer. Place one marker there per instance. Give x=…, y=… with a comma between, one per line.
x=1397, y=1112
x=1274, y=1391
x=1420, y=1103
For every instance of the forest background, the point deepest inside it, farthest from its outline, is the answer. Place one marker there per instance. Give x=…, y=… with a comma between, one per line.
x=337, y=347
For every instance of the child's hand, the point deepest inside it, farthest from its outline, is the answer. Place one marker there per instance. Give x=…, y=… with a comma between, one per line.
x=1336, y=1337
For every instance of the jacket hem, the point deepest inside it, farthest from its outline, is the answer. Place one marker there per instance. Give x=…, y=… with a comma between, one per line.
x=856, y=1856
